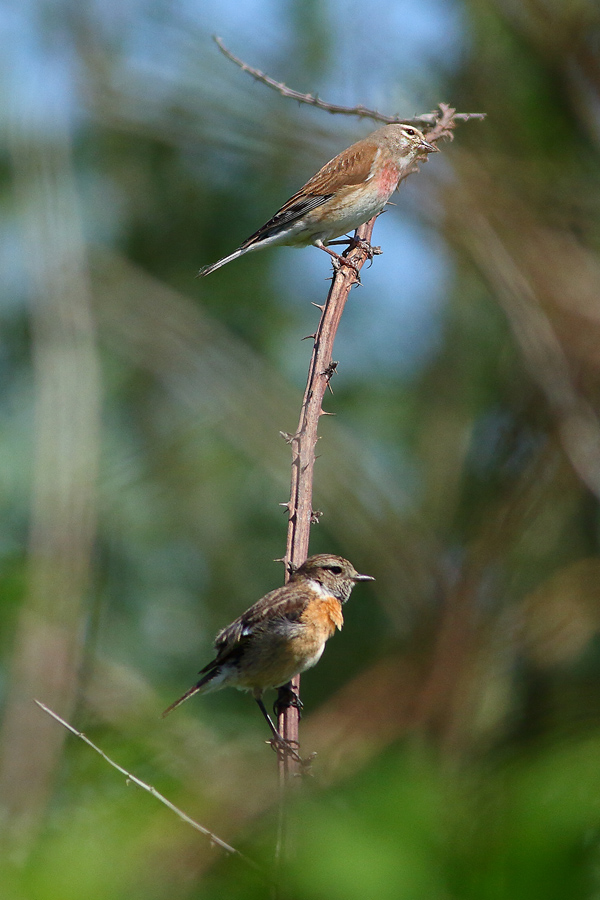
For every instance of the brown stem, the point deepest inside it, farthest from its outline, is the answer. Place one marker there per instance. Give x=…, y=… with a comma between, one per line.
x=301, y=514
x=303, y=442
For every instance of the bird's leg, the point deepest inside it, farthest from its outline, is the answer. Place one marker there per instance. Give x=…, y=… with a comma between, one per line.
x=338, y=260
x=344, y=242
x=287, y=696
x=277, y=741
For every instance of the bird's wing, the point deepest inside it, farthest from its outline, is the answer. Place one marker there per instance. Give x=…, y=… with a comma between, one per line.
x=292, y=211
x=351, y=167
x=278, y=604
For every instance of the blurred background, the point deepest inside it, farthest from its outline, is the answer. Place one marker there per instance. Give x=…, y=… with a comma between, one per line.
x=457, y=717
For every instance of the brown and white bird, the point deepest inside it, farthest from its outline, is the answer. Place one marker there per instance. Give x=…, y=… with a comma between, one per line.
x=282, y=634
x=349, y=190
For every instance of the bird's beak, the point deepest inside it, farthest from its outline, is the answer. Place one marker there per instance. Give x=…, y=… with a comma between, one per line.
x=362, y=578
x=429, y=148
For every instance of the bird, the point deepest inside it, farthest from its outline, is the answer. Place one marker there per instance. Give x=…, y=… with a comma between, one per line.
x=281, y=635
x=349, y=190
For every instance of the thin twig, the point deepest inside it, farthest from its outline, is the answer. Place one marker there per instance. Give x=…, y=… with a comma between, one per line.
x=427, y=119
x=151, y=790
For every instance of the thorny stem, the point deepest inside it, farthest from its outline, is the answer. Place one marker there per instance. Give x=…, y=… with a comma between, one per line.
x=303, y=444
x=301, y=514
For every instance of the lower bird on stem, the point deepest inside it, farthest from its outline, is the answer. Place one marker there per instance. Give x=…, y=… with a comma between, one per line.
x=281, y=635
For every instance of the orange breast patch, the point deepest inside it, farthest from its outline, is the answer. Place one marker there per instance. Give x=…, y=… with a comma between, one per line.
x=324, y=615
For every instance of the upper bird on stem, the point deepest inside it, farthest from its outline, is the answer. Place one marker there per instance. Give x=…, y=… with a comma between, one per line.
x=349, y=190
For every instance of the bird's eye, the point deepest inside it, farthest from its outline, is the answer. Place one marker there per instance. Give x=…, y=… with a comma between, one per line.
x=337, y=570
x=411, y=132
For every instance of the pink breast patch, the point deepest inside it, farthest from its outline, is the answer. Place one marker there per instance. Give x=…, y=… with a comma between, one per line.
x=387, y=181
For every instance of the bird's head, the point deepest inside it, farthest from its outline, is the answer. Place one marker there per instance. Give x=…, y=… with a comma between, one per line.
x=405, y=142
x=334, y=573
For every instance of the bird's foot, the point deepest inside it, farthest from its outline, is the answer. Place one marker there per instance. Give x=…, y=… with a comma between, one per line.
x=339, y=262
x=287, y=748
x=286, y=697
x=368, y=248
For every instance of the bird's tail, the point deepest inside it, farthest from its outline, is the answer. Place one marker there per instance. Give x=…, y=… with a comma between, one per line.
x=197, y=688
x=193, y=690
x=206, y=270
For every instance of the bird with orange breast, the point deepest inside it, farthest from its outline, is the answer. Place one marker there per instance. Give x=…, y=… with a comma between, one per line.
x=281, y=635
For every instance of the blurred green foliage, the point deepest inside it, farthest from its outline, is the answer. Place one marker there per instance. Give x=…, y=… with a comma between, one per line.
x=456, y=718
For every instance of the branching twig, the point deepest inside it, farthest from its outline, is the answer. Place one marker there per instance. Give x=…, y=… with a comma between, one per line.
x=426, y=120
x=151, y=790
